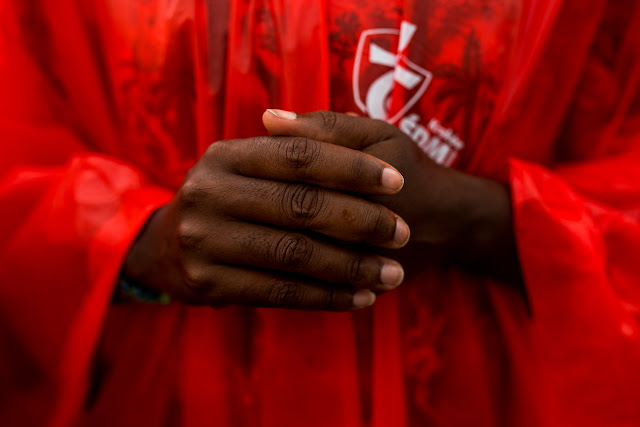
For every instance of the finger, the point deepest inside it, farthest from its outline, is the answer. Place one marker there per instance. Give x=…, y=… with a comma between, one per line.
x=305, y=160
x=302, y=206
x=346, y=130
x=293, y=252
x=216, y=284
x=255, y=245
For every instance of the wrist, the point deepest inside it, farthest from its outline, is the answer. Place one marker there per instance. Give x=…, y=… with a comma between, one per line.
x=469, y=223
x=487, y=240
x=142, y=264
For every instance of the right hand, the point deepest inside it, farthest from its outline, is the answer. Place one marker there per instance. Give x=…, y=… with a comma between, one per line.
x=265, y=222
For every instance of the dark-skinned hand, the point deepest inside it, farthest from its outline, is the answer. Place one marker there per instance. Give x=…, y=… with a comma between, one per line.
x=455, y=218
x=266, y=221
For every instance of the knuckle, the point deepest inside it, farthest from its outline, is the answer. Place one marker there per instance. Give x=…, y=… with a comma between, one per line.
x=212, y=150
x=300, y=153
x=217, y=148
x=327, y=300
x=285, y=294
x=199, y=189
x=357, y=166
x=303, y=203
x=203, y=188
x=382, y=225
x=293, y=250
x=221, y=155
x=330, y=300
x=355, y=270
x=188, y=236
x=329, y=120
x=195, y=280
x=191, y=191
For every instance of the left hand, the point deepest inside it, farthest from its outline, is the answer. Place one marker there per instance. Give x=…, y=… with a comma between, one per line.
x=455, y=218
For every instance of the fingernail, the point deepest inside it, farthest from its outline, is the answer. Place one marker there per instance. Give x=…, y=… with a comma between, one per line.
x=363, y=298
x=391, y=275
x=392, y=179
x=282, y=114
x=401, y=236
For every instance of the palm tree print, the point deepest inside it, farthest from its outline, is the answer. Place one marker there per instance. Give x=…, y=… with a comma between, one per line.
x=467, y=91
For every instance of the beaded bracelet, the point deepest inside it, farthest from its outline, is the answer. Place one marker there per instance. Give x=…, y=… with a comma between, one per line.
x=136, y=292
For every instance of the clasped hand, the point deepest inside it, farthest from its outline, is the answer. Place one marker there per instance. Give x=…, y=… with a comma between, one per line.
x=294, y=220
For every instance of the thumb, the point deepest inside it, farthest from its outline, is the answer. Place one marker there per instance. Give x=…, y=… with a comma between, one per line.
x=335, y=128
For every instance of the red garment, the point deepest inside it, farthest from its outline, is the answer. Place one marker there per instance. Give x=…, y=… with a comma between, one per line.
x=106, y=105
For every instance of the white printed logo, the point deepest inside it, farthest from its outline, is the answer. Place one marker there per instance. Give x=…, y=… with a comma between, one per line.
x=377, y=71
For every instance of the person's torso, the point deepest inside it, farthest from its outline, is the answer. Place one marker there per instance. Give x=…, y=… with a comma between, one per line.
x=447, y=73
